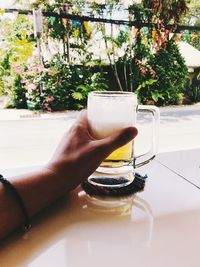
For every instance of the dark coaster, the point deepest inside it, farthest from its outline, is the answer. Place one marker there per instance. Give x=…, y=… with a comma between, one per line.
x=137, y=185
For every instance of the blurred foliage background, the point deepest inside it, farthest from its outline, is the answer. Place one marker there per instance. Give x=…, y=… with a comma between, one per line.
x=77, y=56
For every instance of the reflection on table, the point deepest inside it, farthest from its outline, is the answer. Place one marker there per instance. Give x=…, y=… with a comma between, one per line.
x=156, y=227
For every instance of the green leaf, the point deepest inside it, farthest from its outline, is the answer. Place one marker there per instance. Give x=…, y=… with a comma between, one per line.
x=83, y=88
x=77, y=96
x=52, y=20
x=146, y=83
x=155, y=96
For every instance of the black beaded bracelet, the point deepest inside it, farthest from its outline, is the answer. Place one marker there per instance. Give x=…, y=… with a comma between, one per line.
x=20, y=202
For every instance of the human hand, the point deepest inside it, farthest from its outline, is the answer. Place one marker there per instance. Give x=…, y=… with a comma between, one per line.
x=79, y=154
x=76, y=158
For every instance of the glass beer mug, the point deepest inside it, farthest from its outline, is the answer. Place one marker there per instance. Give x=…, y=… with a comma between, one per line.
x=109, y=111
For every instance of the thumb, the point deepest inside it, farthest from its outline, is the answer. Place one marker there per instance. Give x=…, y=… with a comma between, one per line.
x=118, y=139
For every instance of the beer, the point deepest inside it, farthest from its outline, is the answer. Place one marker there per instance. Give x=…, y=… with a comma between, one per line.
x=107, y=115
x=120, y=157
x=123, y=153
x=109, y=112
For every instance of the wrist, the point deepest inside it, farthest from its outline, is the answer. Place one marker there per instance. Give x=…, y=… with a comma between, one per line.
x=62, y=173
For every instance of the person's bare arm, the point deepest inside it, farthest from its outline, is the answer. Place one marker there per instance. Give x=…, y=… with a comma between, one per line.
x=76, y=158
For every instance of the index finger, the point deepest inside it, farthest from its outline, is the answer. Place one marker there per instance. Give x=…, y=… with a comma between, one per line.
x=82, y=118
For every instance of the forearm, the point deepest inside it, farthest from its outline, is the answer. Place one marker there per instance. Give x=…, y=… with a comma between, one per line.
x=37, y=190
x=75, y=159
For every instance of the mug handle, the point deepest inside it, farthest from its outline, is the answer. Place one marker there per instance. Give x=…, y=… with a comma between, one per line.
x=148, y=156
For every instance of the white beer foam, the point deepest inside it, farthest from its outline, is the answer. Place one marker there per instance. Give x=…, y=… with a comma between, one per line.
x=106, y=115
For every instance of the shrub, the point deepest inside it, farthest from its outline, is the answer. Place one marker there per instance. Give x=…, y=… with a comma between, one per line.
x=59, y=86
x=18, y=96
x=192, y=91
x=171, y=76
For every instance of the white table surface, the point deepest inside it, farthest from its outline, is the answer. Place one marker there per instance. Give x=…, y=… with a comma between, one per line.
x=184, y=163
x=157, y=227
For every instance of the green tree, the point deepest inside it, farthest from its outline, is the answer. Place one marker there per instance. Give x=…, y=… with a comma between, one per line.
x=17, y=45
x=192, y=18
x=171, y=75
